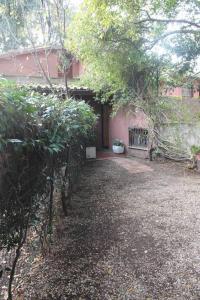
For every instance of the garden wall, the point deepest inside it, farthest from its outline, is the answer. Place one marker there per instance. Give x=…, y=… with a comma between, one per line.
x=184, y=132
x=182, y=135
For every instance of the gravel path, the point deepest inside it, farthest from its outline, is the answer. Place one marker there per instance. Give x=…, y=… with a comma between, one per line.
x=130, y=235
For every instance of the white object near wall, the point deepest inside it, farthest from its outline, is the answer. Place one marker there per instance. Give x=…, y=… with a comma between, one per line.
x=90, y=152
x=118, y=149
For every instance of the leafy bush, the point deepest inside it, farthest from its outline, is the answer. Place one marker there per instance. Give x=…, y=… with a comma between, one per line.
x=38, y=136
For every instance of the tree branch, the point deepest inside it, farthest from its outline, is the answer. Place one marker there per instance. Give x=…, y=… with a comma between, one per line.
x=180, y=21
x=162, y=37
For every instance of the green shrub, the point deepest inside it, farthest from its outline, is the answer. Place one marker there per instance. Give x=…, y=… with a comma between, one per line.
x=38, y=136
x=195, y=149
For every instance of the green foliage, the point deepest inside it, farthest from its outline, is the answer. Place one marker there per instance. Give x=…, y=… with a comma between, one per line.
x=50, y=120
x=116, y=39
x=118, y=143
x=32, y=23
x=12, y=20
x=112, y=48
x=195, y=150
x=35, y=135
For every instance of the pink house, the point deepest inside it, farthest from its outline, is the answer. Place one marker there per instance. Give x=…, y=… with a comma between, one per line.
x=129, y=125
x=29, y=65
x=132, y=127
x=182, y=92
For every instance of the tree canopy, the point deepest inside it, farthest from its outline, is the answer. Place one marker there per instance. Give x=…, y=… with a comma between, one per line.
x=12, y=22
x=127, y=45
x=30, y=23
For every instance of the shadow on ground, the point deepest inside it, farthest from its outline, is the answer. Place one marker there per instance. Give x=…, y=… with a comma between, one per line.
x=128, y=236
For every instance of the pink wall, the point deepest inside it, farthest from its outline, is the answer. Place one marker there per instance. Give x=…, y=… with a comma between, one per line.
x=26, y=64
x=74, y=72
x=76, y=69
x=119, y=124
x=173, y=92
x=196, y=93
x=177, y=91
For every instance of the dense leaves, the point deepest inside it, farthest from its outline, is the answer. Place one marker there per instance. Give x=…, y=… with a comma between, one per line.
x=12, y=21
x=34, y=131
x=128, y=45
x=37, y=135
x=32, y=23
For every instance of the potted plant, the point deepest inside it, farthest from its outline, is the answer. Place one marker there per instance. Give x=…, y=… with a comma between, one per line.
x=118, y=146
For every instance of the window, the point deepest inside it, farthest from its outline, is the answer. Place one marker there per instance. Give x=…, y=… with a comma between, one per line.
x=138, y=137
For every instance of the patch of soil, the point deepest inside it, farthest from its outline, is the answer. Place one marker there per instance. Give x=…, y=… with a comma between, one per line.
x=129, y=235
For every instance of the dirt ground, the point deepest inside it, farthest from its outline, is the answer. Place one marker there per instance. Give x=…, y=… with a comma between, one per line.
x=133, y=233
